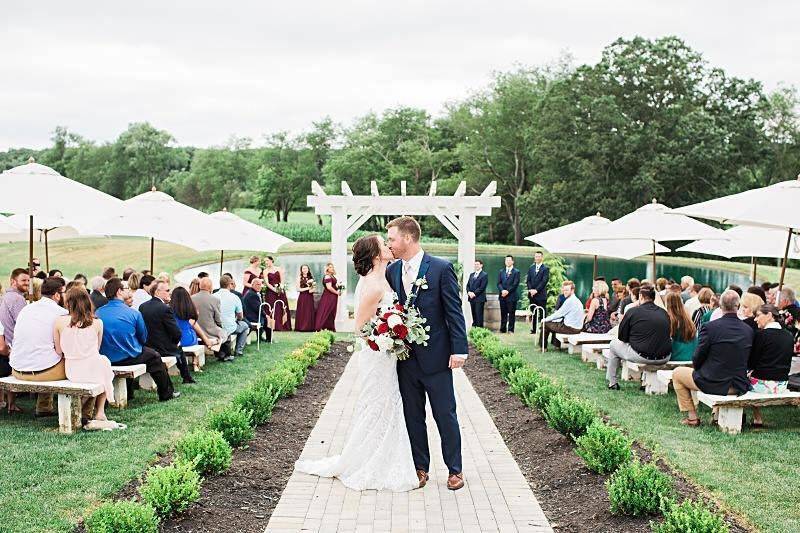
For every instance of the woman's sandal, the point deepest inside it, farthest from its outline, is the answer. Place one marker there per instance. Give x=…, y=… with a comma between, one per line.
x=691, y=422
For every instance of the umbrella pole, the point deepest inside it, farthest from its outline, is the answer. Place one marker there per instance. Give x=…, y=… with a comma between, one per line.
x=753, y=258
x=655, y=276
x=221, y=257
x=46, y=252
x=785, y=258
x=152, y=251
x=594, y=269
x=30, y=247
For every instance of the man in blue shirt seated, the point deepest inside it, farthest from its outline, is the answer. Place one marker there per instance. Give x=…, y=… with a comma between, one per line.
x=124, y=335
x=230, y=307
x=567, y=319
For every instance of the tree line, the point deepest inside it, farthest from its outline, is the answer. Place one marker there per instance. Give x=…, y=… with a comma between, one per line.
x=650, y=119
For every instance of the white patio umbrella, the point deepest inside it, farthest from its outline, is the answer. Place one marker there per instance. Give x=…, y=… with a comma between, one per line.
x=231, y=232
x=48, y=194
x=654, y=223
x=747, y=241
x=565, y=240
x=774, y=206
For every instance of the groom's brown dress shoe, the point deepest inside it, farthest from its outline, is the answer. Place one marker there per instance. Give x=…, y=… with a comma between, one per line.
x=423, y=477
x=455, y=481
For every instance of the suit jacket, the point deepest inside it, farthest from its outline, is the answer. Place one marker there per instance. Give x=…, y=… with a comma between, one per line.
x=538, y=282
x=478, y=286
x=98, y=299
x=163, y=333
x=509, y=283
x=720, y=360
x=251, y=306
x=209, y=314
x=440, y=304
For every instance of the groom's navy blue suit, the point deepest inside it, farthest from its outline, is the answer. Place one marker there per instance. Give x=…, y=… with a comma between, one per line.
x=428, y=368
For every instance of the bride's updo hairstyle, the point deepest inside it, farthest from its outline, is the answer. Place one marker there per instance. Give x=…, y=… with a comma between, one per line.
x=365, y=250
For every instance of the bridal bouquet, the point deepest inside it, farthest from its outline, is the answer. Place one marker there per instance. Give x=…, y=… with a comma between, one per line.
x=341, y=288
x=280, y=288
x=394, y=329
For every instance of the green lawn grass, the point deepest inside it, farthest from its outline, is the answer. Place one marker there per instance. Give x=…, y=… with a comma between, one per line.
x=50, y=480
x=754, y=473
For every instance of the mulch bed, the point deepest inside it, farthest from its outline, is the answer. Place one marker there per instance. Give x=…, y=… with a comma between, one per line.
x=573, y=497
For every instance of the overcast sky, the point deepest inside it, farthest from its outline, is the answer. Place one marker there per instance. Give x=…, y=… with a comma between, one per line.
x=207, y=70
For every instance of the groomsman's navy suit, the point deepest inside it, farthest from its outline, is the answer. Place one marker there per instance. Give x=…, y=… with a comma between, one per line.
x=508, y=305
x=538, y=280
x=477, y=284
x=428, y=368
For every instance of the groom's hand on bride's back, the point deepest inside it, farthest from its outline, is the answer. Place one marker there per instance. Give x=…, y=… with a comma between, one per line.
x=456, y=361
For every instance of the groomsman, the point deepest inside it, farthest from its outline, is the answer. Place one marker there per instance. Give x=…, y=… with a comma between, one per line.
x=508, y=287
x=476, y=292
x=538, y=276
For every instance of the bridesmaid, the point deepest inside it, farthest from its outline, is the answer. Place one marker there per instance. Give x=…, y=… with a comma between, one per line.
x=326, y=313
x=252, y=272
x=281, y=313
x=304, y=315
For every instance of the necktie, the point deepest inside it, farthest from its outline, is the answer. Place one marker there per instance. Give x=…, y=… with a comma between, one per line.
x=408, y=277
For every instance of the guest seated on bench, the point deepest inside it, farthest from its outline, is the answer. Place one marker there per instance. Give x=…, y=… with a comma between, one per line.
x=230, y=306
x=209, y=317
x=567, y=319
x=7, y=399
x=77, y=337
x=33, y=355
x=124, y=336
x=644, y=336
x=748, y=309
x=720, y=361
x=163, y=333
x=771, y=357
x=681, y=328
x=253, y=313
x=598, y=319
x=186, y=317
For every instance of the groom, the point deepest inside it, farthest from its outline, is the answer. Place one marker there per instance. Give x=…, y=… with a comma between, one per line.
x=429, y=369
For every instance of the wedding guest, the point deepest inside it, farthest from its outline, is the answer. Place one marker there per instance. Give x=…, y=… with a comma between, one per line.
x=748, y=308
x=693, y=302
x=629, y=298
x=687, y=282
x=568, y=318
x=81, y=277
x=681, y=329
x=76, y=283
x=126, y=274
x=124, y=338
x=7, y=399
x=758, y=291
x=329, y=301
x=36, y=289
x=508, y=287
x=163, y=333
x=133, y=282
x=254, y=271
x=230, y=307
x=644, y=336
x=476, y=292
x=13, y=302
x=194, y=286
x=253, y=312
x=536, y=283
x=209, y=317
x=97, y=295
x=276, y=296
x=789, y=311
x=55, y=273
x=598, y=318
x=771, y=357
x=704, y=300
x=108, y=273
x=661, y=286
x=36, y=268
x=617, y=295
x=720, y=361
x=186, y=317
x=304, y=318
x=77, y=337
x=33, y=354
x=232, y=287
x=141, y=293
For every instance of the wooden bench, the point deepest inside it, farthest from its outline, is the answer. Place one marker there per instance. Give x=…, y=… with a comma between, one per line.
x=576, y=342
x=198, y=351
x=795, y=368
x=69, y=397
x=146, y=381
x=602, y=362
x=121, y=375
x=730, y=407
x=591, y=353
x=649, y=374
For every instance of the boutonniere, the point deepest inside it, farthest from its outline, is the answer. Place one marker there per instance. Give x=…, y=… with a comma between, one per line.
x=421, y=283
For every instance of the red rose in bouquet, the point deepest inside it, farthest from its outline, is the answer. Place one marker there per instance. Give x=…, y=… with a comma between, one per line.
x=401, y=331
x=383, y=327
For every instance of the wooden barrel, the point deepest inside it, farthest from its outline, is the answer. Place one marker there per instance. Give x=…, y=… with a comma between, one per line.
x=491, y=313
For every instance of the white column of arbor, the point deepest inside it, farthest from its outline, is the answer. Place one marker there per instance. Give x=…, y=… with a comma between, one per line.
x=349, y=212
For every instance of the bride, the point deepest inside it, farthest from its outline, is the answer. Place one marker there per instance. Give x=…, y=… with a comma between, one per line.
x=377, y=453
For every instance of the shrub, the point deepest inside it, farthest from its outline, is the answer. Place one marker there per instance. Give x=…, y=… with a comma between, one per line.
x=235, y=424
x=496, y=351
x=637, y=489
x=540, y=396
x=171, y=489
x=603, y=448
x=569, y=416
x=486, y=344
x=689, y=516
x=279, y=379
x=476, y=334
x=508, y=364
x=206, y=449
x=259, y=401
x=122, y=517
x=525, y=380
x=297, y=368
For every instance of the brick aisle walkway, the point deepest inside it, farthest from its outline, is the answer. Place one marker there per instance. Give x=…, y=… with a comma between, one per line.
x=496, y=496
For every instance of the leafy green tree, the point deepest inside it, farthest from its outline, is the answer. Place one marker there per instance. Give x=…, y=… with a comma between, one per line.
x=782, y=120
x=286, y=170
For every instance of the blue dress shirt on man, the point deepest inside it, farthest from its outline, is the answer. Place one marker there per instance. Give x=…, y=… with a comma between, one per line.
x=124, y=331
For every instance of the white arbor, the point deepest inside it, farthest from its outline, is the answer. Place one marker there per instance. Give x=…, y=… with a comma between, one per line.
x=349, y=212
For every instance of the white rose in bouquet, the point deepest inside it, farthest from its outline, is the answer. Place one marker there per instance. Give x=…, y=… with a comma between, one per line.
x=394, y=320
x=384, y=342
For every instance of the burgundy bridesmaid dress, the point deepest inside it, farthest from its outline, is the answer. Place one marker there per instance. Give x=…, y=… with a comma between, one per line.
x=304, y=314
x=326, y=312
x=283, y=317
x=250, y=277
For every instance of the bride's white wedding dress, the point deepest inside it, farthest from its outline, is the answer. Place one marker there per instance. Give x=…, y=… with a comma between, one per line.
x=377, y=453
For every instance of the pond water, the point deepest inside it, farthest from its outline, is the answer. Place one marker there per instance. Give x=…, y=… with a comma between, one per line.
x=579, y=269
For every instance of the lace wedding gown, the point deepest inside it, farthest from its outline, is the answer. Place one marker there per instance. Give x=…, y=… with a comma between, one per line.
x=377, y=452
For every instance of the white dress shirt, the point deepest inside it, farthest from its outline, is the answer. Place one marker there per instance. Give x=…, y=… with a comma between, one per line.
x=571, y=311
x=140, y=296
x=34, y=347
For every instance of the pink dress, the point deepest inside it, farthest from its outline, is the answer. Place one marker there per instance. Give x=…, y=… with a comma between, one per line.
x=83, y=361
